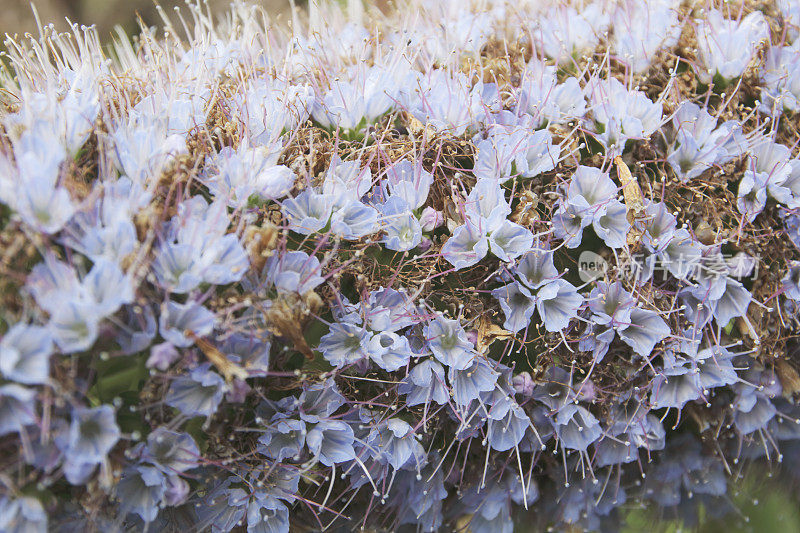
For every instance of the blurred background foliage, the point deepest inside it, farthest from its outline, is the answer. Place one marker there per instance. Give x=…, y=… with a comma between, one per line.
x=765, y=506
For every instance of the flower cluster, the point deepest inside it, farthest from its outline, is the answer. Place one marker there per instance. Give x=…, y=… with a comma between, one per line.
x=266, y=277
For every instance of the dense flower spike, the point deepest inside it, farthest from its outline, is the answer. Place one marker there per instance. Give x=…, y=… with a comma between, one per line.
x=491, y=264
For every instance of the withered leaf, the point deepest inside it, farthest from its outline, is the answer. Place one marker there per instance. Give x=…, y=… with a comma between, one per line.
x=634, y=201
x=227, y=368
x=488, y=332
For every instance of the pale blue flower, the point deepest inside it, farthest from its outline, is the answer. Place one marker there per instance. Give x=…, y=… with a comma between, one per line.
x=91, y=435
x=266, y=109
x=425, y=383
x=518, y=305
x=781, y=91
x=17, y=408
x=700, y=143
x=576, y=427
x=331, y=441
x=557, y=303
x=308, y=212
x=536, y=268
x=448, y=341
x=390, y=310
x=681, y=255
x=660, y=226
x=345, y=344
x=509, y=241
x=199, y=249
x=319, y=401
x=611, y=304
x=589, y=190
x=283, y=439
x=396, y=443
x=449, y=102
x=790, y=283
x=468, y=384
x=465, y=247
x=249, y=351
x=74, y=326
x=265, y=514
x=545, y=100
x=621, y=114
x=24, y=514
x=506, y=423
x=612, y=226
x=235, y=176
x=515, y=151
x=197, y=393
x=170, y=451
x=565, y=31
x=389, y=350
x=410, y=181
x=674, y=387
x=354, y=220
x=641, y=30
x=360, y=98
x=646, y=329
x=140, y=491
x=733, y=302
x=25, y=354
x=177, y=319
x=143, y=149
x=101, y=238
x=293, y=271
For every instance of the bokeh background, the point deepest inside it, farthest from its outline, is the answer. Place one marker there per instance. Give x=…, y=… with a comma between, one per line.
x=16, y=16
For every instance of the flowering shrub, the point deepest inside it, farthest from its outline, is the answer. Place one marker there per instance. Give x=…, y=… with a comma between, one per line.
x=333, y=274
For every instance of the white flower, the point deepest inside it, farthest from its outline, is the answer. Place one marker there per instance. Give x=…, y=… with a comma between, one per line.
x=726, y=47
x=781, y=77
